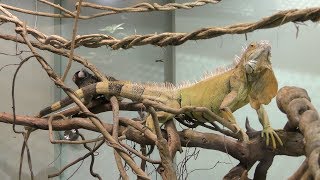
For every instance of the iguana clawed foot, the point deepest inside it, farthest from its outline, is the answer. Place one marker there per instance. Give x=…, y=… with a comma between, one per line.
x=243, y=135
x=268, y=132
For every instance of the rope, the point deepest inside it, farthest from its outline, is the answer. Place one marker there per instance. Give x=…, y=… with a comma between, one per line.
x=141, y=7
x=166, y=39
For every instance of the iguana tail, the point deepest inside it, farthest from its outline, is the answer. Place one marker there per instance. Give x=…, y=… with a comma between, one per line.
x=135, y=92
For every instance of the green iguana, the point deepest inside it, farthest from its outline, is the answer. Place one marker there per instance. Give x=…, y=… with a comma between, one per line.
x=250, y=80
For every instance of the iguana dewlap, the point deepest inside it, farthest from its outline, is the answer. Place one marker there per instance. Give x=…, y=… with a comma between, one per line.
x=250, y=80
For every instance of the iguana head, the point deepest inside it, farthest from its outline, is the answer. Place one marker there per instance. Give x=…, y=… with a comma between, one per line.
x=256, y=58
x=257, y=66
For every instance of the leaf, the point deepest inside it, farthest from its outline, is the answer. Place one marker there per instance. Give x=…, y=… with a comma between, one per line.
x=112, y=28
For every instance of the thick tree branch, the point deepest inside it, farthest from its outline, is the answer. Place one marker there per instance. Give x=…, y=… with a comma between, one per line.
x=302, y=116
x=166, y=169
x=174, y=142
x=300, y=171
x=293, y=141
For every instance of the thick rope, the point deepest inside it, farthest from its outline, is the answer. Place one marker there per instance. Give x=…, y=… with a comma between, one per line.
x=141, y=7
x=166, y=39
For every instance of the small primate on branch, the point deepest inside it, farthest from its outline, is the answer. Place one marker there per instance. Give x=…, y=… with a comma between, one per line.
x=83, y=78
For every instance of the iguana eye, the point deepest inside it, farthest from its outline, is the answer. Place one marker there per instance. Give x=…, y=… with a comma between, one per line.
x=251, y=45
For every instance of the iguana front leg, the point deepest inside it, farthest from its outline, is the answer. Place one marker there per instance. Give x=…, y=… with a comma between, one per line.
x=162, y=117
x=267, y=131
x=227, y=114
x=229, y=101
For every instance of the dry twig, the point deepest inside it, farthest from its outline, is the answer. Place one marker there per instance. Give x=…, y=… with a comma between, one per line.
x=92, y=159
x=53, y=141
x=115, y=133
x=77, y=160
x=74, y=33
x=70, y=93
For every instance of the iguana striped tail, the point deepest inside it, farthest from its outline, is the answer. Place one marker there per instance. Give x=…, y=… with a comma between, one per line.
x=133, y=91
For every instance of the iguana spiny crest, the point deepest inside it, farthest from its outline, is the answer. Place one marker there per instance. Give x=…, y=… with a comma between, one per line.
x=250, y=80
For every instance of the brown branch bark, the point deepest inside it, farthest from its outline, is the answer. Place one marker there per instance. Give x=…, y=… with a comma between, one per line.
x=22, y=31
x=174, y=141
x=53, y=141
x=263, y=167
x=166, y=169
x=293, y=141
x=300, y=171
x=96, y=175
x=115, y=133
x=77, y=160
x=302, y=115
x=97, y=123
x=74, y=33
x=238, y=172
x=247, y=154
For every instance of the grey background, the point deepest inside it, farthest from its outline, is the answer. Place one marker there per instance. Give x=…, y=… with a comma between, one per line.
x=34, y=90
x=294, y=60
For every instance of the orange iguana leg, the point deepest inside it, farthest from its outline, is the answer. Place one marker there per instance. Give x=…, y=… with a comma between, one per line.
x=162, y=117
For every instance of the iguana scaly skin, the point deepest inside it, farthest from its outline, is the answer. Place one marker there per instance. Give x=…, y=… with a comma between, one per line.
x=250, y=80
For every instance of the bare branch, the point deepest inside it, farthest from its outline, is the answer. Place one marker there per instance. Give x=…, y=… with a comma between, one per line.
x=62, y=52
x=295, y=102
x=263, y=167
x=293, y=141
x=74, y=33
x=92, y=117
x=174, y=142
x=300, y=171
x=143, y=157
x=115, y=133
x=77, y=160
x=66, y=141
